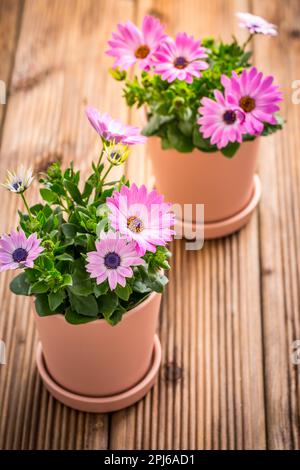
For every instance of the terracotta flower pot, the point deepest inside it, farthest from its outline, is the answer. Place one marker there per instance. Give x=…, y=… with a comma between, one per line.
x=96, y=360
x=228, y=188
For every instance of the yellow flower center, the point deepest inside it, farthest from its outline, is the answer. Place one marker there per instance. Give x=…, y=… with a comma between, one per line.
x=247, y=104
x=142, y=52
x=135, y=224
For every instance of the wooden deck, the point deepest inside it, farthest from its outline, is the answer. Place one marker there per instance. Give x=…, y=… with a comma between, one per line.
x=231, y=311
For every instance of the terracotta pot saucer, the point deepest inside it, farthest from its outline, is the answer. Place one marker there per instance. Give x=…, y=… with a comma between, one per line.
x=230, y=225
x=101, y=404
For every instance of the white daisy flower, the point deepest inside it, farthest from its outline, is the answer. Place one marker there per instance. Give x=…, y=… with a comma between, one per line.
x=19, y=181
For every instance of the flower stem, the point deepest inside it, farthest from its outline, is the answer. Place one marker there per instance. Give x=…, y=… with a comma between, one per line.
x=100, y=156
x=247, y=40
x=27, y=207
x=101, y=182
x=106, y=173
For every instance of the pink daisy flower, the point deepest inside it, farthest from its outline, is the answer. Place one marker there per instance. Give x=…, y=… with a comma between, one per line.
x=142, y=217
x=17, y=251
x=255, y=95
x=256, y=24
x=180, y=59
x=221, y=120
x=112, y=259
x=130, y=44
x=112, y=130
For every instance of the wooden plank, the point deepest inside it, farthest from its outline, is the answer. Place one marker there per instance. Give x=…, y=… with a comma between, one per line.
x=60, y=66
x=11, y=14
x=280, y=230
x=210, y=392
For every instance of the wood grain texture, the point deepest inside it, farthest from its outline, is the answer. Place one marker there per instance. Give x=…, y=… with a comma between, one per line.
x=10, y=19
x=279, y=232
x=231, y=311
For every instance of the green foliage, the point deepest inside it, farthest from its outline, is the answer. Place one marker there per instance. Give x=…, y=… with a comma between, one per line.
x=69, y=223
x=173, y=107
x=20, y=285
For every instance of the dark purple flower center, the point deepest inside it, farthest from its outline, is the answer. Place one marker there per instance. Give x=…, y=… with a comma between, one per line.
x=135, y=224
x=142, y=51
x=180, y=62
x=17, y=185
x=112, y=260
x=115, y=156
x=19, y=255
x=229, y=117
x=247, y=104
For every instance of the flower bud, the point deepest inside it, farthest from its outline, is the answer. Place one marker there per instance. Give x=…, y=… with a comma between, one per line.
x=116, y=154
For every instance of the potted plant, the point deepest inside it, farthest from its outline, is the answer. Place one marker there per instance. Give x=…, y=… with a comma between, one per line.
x=206, y=106
x=93, y=259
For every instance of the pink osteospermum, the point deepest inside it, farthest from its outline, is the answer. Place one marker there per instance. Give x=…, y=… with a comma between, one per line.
x=221, y=120
x=141, y=216
x=255, y=95
x=256, y=24
x=113, y=260
x=130, y=44
x=113, y=130
x=17, y=251
x=180, y=59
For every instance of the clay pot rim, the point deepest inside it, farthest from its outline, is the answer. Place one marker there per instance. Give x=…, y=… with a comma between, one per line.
x=102, y=320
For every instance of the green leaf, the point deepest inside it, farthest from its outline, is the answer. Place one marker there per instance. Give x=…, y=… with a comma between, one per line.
x=165, y=144
x=100, y=289
x=186, y=127
x=47, y=211
x=137, y=300
x=39, y=287
x=185, y=114
x=48, y=195
x=46, y=262
x=67, y=280
x=36, y=208
x=84, y=305
x=42, y=305
x=82, y=284
x=178, y=140
x=73, y=191
x=58, y=189
x=159, y=283
x=75, y=318
x=116, y=316
x=32, y=275
x=141, y=287
x=107, y=304
x=202, y=144
x=55, y=299
x=245, y=58
x=230, y=150
x=271, y=128
x=20, y=285
x=69, y=230
x=65, y=257
x=123, y=292
x=49, y=224
x=101, y=225
x=88, y=189
x=154, y=123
